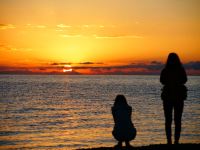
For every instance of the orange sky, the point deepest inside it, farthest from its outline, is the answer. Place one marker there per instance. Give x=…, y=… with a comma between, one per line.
x=43, y=36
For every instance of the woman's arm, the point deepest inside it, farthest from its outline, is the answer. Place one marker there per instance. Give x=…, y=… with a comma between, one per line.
x=163, y=77
x=183, y=76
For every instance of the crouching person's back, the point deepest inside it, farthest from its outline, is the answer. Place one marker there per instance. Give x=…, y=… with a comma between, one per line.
x=124, y=130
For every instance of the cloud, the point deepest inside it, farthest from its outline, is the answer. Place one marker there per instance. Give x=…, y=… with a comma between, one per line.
x=195, y=65
x=156, y=62
x=82, y=31
x=70, y=63
x=101, y=26
x=7, y=26
x=86, y=63
x=89, y=63
x=60, y=63
x=128, y=66
x=117, y=36
x=96, y=26
x=91, y=26
x=153, y=67
x=71, y=35
x=87, y=26
x=99, y=36
x=35, y=70
x=63, y=26
x=94, y=31
x=7, y=47
x=40, y=26
x=33, y=26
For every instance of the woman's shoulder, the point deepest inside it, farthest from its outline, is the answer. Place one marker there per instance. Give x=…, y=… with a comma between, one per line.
x=164, y=71
x=129, y=107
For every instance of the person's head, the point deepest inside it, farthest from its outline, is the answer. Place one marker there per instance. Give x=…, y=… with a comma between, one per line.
x=120, y=100
x=173, y=60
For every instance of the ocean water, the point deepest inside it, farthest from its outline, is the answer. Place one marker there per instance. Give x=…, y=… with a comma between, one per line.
x=70, y=112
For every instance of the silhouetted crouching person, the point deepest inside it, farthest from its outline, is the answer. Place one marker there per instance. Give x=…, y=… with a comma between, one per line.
x=173, y=77
x=124, y=130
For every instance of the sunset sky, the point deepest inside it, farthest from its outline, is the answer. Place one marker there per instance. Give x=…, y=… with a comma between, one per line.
x=98, y=36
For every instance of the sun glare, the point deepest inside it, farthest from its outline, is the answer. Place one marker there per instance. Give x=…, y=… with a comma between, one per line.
x=67, y=68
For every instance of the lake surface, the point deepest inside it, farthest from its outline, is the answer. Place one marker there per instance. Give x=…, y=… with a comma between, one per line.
x=70, y=112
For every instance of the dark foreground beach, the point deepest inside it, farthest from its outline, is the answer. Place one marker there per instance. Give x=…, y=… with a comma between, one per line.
x=154, y=147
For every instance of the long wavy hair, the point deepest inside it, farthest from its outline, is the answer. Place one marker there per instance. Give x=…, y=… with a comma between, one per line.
x=120, y=100
x=173, y=61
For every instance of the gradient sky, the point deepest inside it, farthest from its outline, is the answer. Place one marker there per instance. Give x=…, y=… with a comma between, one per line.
x=98, y=36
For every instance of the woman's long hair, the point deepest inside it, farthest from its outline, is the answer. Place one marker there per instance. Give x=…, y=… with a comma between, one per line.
x=173, y=61
x=120, y=100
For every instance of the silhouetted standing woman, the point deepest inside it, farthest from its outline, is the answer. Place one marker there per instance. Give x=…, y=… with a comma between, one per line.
x=173, y=77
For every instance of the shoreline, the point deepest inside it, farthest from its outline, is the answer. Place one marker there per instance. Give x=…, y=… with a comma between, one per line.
x=185, y=146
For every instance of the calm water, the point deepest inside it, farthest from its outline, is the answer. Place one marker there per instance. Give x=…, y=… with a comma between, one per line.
x=69, y=112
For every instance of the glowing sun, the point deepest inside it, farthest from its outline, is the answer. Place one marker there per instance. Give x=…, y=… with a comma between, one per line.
x=67, y=68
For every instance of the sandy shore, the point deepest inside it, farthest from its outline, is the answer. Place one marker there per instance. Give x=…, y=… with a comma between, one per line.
x=154, y=147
